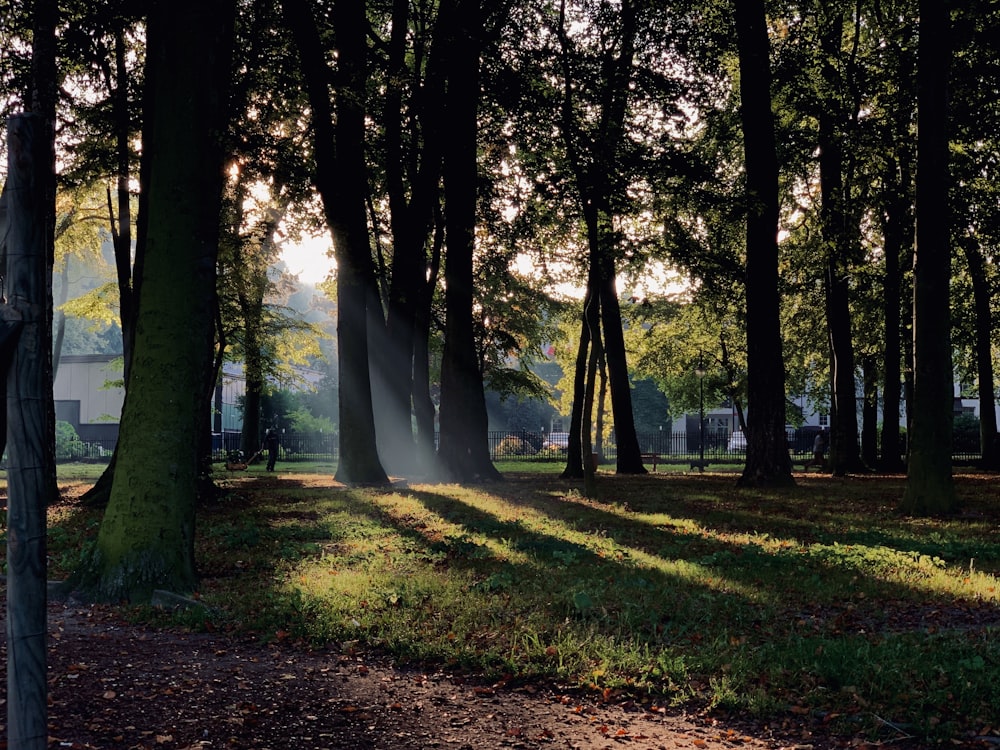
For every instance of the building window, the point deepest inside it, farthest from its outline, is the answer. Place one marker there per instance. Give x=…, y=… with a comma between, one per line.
x=824, y=420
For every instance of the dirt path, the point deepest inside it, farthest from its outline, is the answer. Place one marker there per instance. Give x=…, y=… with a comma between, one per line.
x=113, y=685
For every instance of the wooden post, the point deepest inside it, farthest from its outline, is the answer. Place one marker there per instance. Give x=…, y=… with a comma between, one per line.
x=28, y=174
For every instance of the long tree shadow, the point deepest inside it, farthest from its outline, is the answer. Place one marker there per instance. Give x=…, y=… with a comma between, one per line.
x=827, y=568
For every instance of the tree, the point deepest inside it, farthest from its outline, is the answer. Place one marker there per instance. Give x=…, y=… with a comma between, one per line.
x=25, y=360
x=464, y=450
x=412, y=111
x=975, y=211
x=593, y=133
x=767, y=455
x=341, y=180
x=895, y=212
x=146, y=539
x=841, y=244
x=29, y=228
x=929, y=486
x=108, y=51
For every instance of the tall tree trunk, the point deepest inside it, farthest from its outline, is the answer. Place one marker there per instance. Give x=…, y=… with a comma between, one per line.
x=29, y=389
x=356, y=290
x=594, y=159
x=423, y=404
x=393, y=363
x=898, y=233
x=146, y=539
x=844, y=456
x=589, y=321
x=768, y=462
x=984, y=355
x=412, y=222
x=589, y=469
x=121, y=237
x=464, y=451
x=600, y=398
x=122, y=230
x=43, y=100
x=341, y=180
x=250, y=436
x=869, y=421
x=929, y=486
x=629, y=459
x=839, y=241
x=8, y=329
x=28, y=377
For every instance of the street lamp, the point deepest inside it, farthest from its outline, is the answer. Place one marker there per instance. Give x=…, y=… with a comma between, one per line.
x=700, y=372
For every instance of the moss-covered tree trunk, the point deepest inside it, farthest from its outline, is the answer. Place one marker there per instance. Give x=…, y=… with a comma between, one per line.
x=146, y=539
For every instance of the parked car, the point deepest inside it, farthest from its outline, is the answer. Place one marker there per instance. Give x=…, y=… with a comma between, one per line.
x=738, y=442
x=558, y=441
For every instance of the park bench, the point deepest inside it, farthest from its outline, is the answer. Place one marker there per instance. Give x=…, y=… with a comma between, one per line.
x=652, y=458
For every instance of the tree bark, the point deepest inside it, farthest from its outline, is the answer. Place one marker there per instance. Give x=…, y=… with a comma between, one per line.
x=464, y=450
x=356, y=291
x=593, y=157
x=629, y=459
x=146, y=539
x=589, y=470
x=898, y=236
x=412, y=222
x=984, y=351
x=929, y=486
x=869, y=421
x=29, y=391
x=589, y=320
x=768, y=463
x=121, y=234
x=838, y=239
x=423, y=404
x=8, y=329
x=341, y=181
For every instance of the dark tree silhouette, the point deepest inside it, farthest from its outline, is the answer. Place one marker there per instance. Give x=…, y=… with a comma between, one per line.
x=929, y=486
x=767, y=461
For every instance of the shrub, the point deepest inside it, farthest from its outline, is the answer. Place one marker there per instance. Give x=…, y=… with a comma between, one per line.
x=68, y=443
x=965, y=437
x=512, y=445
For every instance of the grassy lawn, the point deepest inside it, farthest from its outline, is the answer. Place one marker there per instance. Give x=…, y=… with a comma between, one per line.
x=816, y=601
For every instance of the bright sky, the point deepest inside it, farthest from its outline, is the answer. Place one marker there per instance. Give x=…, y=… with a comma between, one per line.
x=310, y=262
x=308, y=259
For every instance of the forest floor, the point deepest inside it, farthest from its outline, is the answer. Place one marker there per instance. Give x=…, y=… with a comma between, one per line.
x=113, y=684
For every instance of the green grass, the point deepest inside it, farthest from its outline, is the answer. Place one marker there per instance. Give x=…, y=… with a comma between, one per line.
x=817, y=601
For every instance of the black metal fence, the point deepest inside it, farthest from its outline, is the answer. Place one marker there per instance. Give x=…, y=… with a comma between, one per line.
x=514, y=445
x=522, y=445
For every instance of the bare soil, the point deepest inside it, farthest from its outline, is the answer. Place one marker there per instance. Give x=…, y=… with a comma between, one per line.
x=116, y=685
